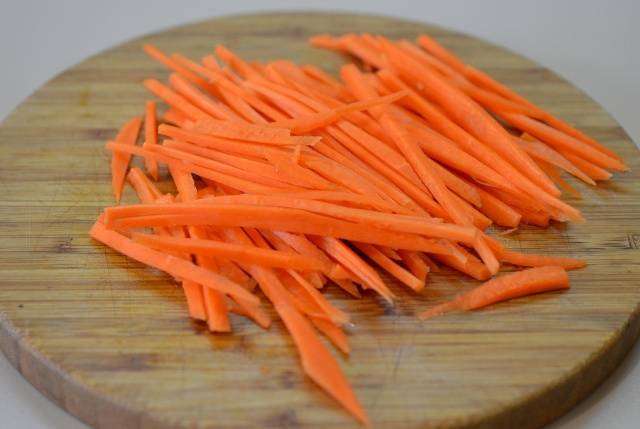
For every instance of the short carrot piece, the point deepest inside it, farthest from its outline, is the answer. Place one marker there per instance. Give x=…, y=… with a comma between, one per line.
x=504, y=288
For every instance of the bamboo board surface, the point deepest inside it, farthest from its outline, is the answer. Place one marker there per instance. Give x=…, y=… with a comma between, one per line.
x=110, y=342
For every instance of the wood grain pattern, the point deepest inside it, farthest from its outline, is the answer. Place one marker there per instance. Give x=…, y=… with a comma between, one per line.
x=109, y=340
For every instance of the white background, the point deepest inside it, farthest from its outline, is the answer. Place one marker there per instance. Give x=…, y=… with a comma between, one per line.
x=591, y=43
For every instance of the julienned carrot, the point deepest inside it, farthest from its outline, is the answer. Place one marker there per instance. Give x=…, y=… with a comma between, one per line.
x=393, y=222
x=316, y=360
x=320, y=75
x=478, y=149
x=217, y=143
x=332, y=149
x=343, y=254
x=389, y=253
x=213, y=165
x=444, y=151
x=292, y=220
x=415, y=263
x=151, y=136
x=499, y=212
x=470, y=115
x=534, y=218
x=528, y=260
x=175, y=66
x=485, y=80
x=128, y=135
x=206, y=173
x=201, y=101
x=411, y=190
x=244, y=254
x=250, y=169
x=175, y=117
x=539, y=150
x=471, y=266
x=503, y=288
x=299, y=174
x=590, y=169
x=560, y=140
x=138, y=181
x=215, y=305
x=390, y=266
x=322, y=119
x=553, y=172
x=333, y=332
x=176, y=267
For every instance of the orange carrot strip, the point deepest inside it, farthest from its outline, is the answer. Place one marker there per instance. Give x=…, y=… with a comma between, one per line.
x=471, y=266
x=478, y=149
x=590, y=169
x=138, y=181
x=429, y=177
x=554, y=173
x=321, y=76
x=247, y=132
x=326, y=41
x=322, y=119
x=151, y=136
x=390, y=266
x=539, y=150
x=560, y=140
x=175, y=100
x=534, y=218
x=528, y=260
x=128, y=135
x=176, y=267
x=463, y=189
x=504, y=288
x=333, y=332
x=158, y=55
x=297, y=173
x=243, y=254
x=498, y=211
x=234, y=61
x=343, y=254
x=469, y=115
x=415, y=264
x=446, y=152
x=394, y=197
x=215, y=306
x=217, y=143
x=350, y=200
x=250, y=168
x=485, y=80
x=206, y=173
x=209, y=106
x=316, y=360
x=389, y=253
x=415, y=192
x=277, y=218
x=221, y=167
x=393, y=222
x=176, y=117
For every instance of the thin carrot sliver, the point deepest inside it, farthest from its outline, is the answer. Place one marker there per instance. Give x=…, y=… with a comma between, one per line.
x=151, y=136
x=128, y=135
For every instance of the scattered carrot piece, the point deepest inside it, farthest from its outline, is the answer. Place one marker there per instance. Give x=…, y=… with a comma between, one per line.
x=503, y=288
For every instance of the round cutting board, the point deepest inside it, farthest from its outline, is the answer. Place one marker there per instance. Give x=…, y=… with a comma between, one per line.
x=110, y=341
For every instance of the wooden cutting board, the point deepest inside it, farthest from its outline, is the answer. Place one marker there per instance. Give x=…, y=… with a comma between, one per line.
x=109, y=341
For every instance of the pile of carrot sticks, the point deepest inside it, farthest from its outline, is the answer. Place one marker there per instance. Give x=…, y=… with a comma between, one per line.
x=288, y=179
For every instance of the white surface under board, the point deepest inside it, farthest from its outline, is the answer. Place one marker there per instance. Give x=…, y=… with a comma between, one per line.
x=591, y=43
